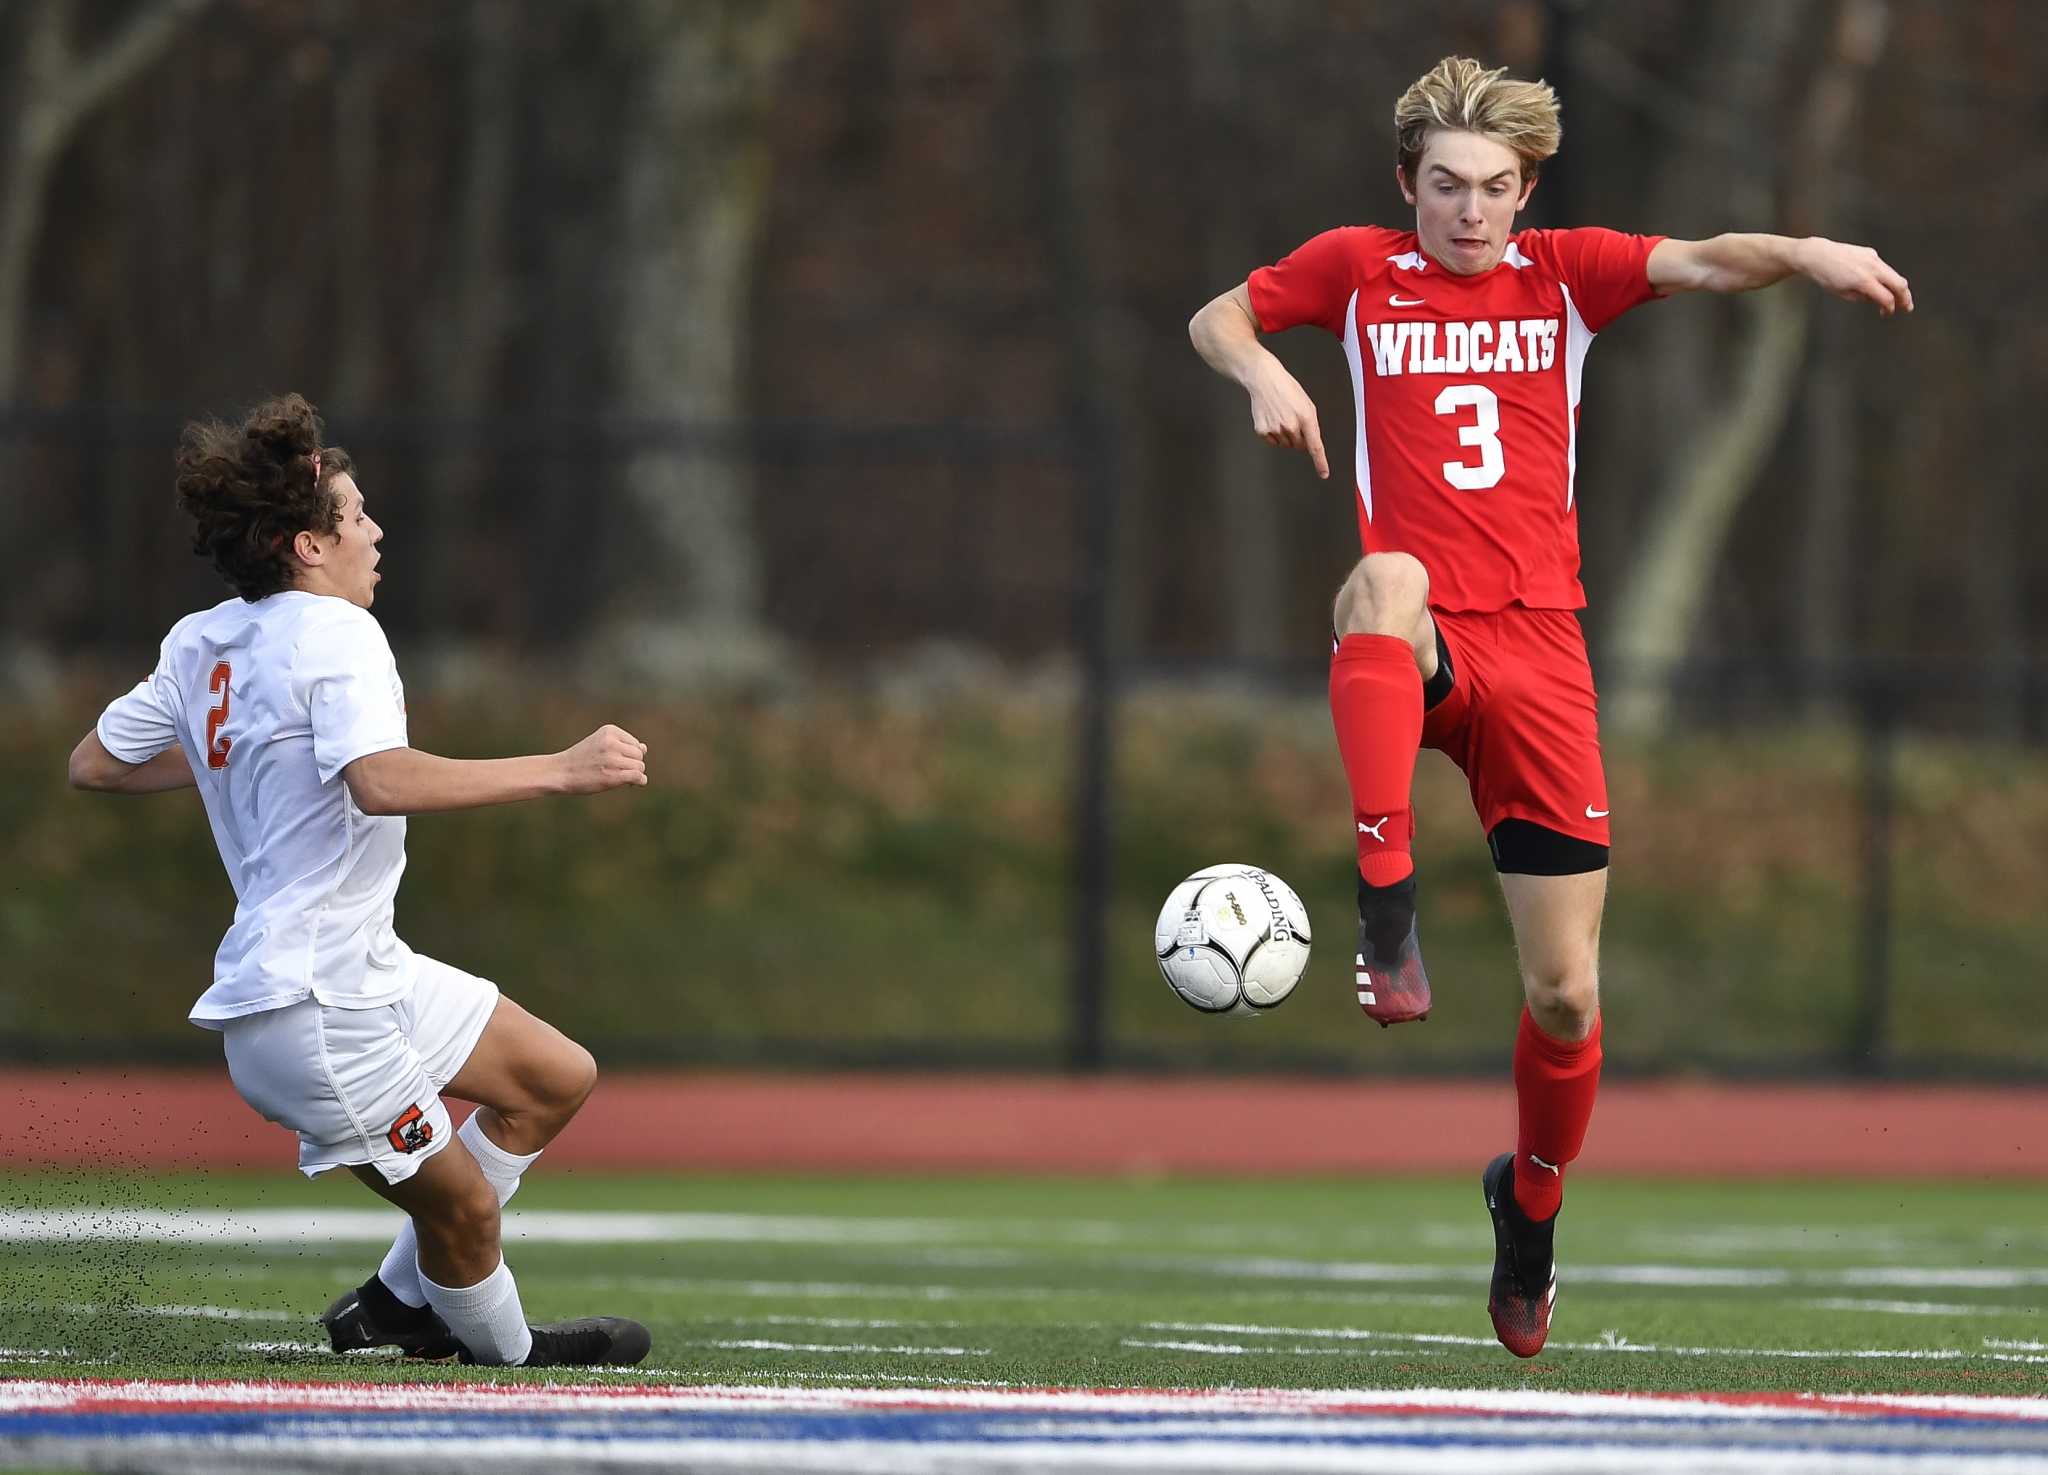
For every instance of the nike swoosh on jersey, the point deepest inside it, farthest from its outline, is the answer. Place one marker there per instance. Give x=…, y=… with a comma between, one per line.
x=1592, y=813
x=1397, y=300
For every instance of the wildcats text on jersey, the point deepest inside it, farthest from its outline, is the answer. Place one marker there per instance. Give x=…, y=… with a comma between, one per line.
x=1466, y=384
x=1509, y=346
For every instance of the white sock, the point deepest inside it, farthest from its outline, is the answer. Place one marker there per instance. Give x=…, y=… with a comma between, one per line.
x=486, y=1317
x=401, y=1268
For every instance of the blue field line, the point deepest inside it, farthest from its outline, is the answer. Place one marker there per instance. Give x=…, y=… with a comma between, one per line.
x=1903, y=1434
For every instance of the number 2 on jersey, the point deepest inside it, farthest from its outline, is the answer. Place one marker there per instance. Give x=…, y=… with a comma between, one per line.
x=218, y=742
x=1483, y=432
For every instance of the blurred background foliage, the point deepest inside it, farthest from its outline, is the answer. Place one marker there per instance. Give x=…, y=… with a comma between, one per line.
x=805, y=382
x=876, y=877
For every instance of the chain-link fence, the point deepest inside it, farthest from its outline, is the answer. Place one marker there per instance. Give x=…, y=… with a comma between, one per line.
x=809, y=383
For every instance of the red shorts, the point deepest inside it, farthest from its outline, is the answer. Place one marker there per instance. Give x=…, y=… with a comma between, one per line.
x=1521, y=720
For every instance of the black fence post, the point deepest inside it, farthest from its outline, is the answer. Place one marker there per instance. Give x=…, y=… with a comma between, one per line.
x=1870, y=1028
x=1093, y=447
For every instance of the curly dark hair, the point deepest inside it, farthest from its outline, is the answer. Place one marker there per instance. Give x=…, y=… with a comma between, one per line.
x=249, y=489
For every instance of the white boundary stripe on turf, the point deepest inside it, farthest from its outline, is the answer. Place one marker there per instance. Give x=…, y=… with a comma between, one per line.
x=192, y=1313
x=517, y=1397
x=303, y=1226
x=1610, y=1342
x=327, y=1226
x=1916, y=1308
x=758, y=1344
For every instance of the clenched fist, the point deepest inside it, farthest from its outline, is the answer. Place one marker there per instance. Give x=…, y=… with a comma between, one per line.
x=609, y=758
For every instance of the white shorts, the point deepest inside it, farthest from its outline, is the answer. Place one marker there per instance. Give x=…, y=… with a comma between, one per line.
x=363, y=1086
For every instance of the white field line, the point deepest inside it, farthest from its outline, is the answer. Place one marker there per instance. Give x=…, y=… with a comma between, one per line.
x=860, y=1323
x=974, y=1237
x=193, y=1313
x=328, y=1226
x=1725, y=1240
x=819, y=1290
x=917, y=1378
x=880, y=1291
x=1757, y=1239
x=762, y=1344
x=322, y=1226
x=1235, y=1349
x=1449, y=1235
x=1609, y=1342
x=1692, y=1276
x=1916, y=1308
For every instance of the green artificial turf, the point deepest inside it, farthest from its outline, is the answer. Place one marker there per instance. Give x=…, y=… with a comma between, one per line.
x=1322, y=1284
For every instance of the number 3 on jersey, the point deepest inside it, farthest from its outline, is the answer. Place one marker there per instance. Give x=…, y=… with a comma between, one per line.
x=218, y=742
x=1483, y=432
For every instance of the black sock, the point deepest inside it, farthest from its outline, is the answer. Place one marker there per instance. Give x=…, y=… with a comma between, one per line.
x=387, y=1310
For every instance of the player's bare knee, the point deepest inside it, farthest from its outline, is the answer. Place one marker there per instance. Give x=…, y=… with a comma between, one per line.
x=1385, y=594
x=1563, y=1001
x=574, y=1080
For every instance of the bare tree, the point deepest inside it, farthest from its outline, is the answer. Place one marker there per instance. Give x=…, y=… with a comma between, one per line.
x=354, y=163
x=463, y=334
x=46, y=95
x=53, y=90
x=695, y=173
x=1247, y=473
x=1660, y=606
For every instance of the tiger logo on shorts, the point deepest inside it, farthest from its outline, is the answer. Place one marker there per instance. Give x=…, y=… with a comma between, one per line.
x=411, y=1131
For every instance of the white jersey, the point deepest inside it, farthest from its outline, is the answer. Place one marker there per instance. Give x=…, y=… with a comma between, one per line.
x=270, y=700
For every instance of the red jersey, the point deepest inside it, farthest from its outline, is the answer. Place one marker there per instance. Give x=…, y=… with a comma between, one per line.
x=1466, y=391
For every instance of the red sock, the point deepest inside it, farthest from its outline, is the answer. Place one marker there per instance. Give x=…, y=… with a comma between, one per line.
x=1555, y=1082
x=1376, y=704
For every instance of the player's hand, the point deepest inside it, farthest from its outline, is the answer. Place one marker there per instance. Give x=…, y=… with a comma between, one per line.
x=1283, y=415
x=610, y=758
x=1857, y=274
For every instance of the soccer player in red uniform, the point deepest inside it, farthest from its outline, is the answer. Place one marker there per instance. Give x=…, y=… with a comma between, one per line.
x=1458, y=629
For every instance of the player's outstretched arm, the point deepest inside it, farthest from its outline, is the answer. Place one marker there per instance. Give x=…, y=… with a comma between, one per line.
x=407, y=781
x=1226, y=335
x=94, y=768
x=1741, y=262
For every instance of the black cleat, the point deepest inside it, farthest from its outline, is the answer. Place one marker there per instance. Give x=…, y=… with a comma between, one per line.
x=593, y=1341
x=1524, y=1269
x=370, y=1316
x=1392, y=988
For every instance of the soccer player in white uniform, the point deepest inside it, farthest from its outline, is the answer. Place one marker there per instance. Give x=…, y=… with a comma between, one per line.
x=1458, y=630
x=283, y=707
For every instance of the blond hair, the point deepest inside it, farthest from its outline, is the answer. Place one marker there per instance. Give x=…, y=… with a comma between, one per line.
x=1457, y=93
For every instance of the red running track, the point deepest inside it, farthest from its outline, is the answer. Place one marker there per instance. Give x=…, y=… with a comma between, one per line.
x=1116, y=1125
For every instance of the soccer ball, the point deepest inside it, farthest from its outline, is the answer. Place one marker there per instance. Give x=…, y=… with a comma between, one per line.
x=1232, y=939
